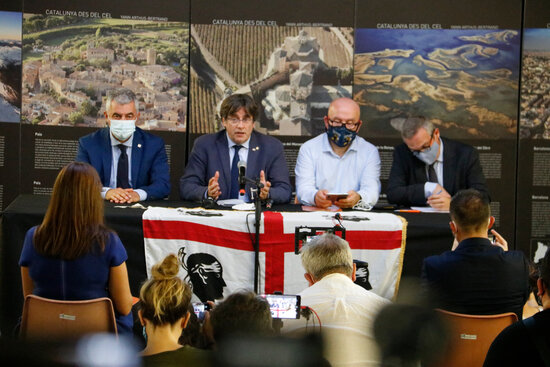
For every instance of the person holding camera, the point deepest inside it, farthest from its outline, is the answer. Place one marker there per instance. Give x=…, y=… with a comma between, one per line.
x=477, y=277
x=241, y=313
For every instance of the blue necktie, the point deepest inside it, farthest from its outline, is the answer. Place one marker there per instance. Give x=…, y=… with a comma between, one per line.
x=122, y=169
x=234, y=194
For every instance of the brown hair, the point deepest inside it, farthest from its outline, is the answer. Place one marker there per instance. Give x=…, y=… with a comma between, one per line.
x=470, y=209
x=74, y=222
x=165, y=298
x=235, y=102
x=241, y=313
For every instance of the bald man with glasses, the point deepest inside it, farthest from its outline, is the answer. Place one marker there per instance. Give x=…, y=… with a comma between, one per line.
x=339, y=161
x=428, y=169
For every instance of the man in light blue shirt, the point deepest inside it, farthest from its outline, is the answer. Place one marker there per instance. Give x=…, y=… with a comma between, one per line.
x=339, y=161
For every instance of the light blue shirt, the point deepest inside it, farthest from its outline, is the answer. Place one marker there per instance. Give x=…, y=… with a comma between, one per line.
x=115, y=150
x=319, y=168
x=429, y=187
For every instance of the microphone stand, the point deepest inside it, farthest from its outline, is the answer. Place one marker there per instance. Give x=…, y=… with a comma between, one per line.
x=255, y=193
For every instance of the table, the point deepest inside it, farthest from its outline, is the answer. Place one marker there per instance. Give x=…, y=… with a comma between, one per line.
x=427, y=234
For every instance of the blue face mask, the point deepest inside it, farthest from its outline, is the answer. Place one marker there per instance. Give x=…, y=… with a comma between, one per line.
x=428, y=155
x=340, y=136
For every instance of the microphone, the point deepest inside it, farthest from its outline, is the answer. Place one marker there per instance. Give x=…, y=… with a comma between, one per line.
x=242, y=176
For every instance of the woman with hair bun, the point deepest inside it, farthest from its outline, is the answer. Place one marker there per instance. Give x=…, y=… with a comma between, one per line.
x=163, y=313
x=72, y=255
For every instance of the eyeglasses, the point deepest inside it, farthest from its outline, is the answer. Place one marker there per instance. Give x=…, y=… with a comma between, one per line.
x=350, y=125
x=235, y=121
x=426, y=148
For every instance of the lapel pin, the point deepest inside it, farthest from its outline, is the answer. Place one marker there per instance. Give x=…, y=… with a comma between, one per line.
x=139, y=145
x=255, y=149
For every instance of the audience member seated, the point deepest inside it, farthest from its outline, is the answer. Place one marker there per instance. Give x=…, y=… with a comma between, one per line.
x=346, y=310
x=164, y=313
x=477, y=276
x=527, y=342
x=410, y=335
x=72, y=255
x=241, y=331
x=241, y=313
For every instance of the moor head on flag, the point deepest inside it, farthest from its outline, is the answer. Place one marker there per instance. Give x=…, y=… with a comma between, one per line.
x=205, y=273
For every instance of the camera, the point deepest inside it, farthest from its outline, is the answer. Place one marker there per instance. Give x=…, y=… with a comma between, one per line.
x=200, y=308
x=283, y=306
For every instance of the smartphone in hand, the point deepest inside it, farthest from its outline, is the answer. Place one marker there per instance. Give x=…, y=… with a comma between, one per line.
x=335, y=196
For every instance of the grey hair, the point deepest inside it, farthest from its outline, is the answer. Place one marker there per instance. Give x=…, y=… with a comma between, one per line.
x=121, y=96
x=327, y=254
x=411, y=125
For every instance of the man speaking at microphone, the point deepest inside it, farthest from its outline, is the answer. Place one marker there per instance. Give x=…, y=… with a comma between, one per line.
x=216, y=159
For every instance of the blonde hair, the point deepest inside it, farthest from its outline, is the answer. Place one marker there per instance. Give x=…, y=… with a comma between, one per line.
x=165, y=298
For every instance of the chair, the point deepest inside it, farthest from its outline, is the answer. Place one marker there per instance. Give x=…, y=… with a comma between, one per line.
x=54, y=319
x=471, y=336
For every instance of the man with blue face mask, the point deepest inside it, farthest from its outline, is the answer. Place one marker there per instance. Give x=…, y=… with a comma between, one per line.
x=339, y=161
x=131, y=163
x=428, y=169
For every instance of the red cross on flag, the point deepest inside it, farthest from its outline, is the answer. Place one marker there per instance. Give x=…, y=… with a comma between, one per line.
x=216, y=248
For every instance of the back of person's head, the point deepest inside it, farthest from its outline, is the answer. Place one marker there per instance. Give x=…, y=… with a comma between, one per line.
x=74, y=219
x=544, y=269
x=165, y=298
x=327, y=254
x=470, y=210
x=410, y=335
x=235, y=102
x=241, y=313
x=411, y=125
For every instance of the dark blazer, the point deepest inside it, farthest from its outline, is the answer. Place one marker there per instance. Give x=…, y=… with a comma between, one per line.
x=478, y=278
x=150, y=170
x=461, y=170
x=210, y=154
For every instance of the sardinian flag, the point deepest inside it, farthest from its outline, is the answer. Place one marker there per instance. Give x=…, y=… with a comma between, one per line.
x=216, y=248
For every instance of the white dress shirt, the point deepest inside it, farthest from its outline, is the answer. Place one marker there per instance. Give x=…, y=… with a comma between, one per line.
x=319, y=168
x=347, y=312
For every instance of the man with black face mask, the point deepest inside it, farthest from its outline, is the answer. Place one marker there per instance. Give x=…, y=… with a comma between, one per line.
x=339, y=161
x=428, y=169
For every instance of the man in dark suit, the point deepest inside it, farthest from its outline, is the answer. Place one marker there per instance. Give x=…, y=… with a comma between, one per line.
x=131, y=163
x=429, y=169
x=477, y=276
x=212, y=170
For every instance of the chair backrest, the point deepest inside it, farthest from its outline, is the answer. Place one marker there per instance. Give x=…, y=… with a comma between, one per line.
x=471, y=336
x=54, y=319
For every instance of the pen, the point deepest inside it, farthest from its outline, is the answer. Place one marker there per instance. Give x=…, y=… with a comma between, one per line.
x=407, y=211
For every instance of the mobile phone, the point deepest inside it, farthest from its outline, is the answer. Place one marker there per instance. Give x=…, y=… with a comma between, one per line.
x=333, y=196
x=284, y=306
x=200, y=308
